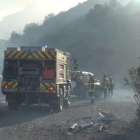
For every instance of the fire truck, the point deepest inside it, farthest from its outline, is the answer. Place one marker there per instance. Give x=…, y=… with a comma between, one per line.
x=80, y=84
x=36, y=75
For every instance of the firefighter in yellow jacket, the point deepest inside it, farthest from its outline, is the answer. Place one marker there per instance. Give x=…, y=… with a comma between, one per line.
x=111, y=86
x=105, y=84
x=91, y=88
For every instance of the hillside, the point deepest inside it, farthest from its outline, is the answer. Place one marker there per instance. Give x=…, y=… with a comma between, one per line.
x=34, y=12
x=104, y=37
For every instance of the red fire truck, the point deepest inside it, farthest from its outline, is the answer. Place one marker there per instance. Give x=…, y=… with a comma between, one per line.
x=79, y=81
x=36, y=75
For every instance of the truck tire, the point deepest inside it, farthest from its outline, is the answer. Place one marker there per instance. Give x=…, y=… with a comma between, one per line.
x=59, y=107
x=13, y=105
x=67, y=100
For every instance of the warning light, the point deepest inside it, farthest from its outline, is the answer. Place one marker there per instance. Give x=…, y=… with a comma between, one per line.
x=31, y=49
x=6, y=86
x=45, y=46
x=51, y=88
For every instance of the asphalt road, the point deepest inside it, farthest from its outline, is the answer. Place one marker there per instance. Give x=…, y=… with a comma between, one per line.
x=40, y=122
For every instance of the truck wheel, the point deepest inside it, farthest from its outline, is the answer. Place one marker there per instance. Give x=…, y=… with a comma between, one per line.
x=68, y=99
x=59, y=107
x=13, y=105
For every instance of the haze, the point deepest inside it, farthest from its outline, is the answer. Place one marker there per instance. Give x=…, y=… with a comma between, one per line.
x=36, y=10
x=104, y=37
x=108, y=35
x=23, y=12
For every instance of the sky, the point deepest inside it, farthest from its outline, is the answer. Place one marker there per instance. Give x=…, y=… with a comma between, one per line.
x=12, y=6
x=22, y=12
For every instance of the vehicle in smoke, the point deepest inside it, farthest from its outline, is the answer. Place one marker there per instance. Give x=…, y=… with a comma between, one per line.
x=36, y=75
x=80, y=81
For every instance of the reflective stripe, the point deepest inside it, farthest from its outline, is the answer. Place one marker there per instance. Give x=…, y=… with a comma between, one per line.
x=91, y=87
x=44, y=87
x=14, y=85
x=30, y=55
x=104, y=84
x=79, y=76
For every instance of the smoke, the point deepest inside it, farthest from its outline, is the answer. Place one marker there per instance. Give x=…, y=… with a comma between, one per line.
x=101, y=38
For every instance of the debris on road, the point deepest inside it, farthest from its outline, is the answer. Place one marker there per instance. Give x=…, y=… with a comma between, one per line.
x=97, y=124
x=72, y=127
x=69, y=133
x=108, y=121
x=103, y=127
x=107, y=114
x=101, y=116
x=106, y=117
x=86, y=125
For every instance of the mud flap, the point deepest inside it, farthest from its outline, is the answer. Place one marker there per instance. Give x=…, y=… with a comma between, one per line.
x=58, y=107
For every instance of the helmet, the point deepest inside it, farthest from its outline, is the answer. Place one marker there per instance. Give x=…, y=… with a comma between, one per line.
x=110, y=77
x=89, y=75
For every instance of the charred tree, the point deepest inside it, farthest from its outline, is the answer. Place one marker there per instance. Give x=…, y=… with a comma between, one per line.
x=134, y=83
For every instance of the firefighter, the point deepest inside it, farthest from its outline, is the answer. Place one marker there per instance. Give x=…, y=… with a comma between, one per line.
x=91, y=88
x=111, y=86
x=105, y=84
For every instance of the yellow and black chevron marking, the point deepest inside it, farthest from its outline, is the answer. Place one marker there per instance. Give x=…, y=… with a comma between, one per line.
x=79, y=74
x=30, y=55
x=14, y=85
x=44, y=87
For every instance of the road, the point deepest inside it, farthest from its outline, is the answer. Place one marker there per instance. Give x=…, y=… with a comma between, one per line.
x=36, y=122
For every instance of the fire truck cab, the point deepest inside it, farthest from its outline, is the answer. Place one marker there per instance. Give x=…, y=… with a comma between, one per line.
x=80, y=83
